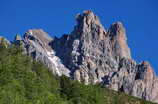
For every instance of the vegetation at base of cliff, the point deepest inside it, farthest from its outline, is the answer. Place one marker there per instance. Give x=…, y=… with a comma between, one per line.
x=24, y=81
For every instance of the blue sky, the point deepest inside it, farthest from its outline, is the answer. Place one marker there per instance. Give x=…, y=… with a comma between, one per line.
x=140, y=18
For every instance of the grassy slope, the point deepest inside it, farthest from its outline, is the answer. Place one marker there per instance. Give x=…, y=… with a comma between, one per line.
x=23, y=81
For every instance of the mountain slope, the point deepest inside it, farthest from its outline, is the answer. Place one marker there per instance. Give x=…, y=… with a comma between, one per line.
x=24, y=81
x=91, y=54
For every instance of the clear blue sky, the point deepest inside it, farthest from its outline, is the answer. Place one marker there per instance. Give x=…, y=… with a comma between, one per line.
x=140, y=17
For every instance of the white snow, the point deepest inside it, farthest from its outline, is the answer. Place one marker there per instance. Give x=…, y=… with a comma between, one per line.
x=50, y=53
x=54, y=60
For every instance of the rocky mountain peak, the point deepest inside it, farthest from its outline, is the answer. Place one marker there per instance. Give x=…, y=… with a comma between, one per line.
x=39, y=36
x=37, y=44
x=87, y=17
x=17, y=37
x=116, y=29
x=87, y=23
x=118, y=39
x=91, y=55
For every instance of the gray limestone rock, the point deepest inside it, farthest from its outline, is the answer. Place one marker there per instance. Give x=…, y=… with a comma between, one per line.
x=91, y=54
x=37, y=44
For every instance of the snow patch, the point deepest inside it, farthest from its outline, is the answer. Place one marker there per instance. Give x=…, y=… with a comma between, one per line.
x=50, y=53
x=54, y=60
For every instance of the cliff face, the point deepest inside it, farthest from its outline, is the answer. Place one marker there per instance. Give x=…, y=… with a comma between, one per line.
x=37, y=45
x=91, y=54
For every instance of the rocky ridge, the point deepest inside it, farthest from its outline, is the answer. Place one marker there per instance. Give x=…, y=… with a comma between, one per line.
x=91, y=54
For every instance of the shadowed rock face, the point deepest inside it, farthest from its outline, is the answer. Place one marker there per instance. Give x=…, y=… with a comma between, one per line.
x=91, y=54
x=37, y=44
x=146, y=83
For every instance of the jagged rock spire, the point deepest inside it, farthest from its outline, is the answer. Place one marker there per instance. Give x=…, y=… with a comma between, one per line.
x=89, y=28
x=87, y=18
x=17, y=37
x=88, y=23
x=118, y=39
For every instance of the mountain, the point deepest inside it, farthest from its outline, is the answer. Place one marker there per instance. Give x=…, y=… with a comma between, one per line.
x=26, y=81
x=91, y=54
